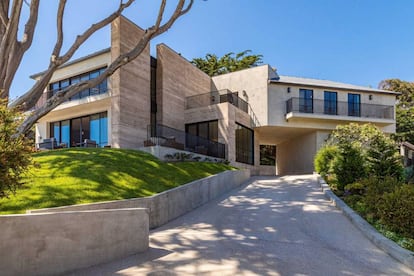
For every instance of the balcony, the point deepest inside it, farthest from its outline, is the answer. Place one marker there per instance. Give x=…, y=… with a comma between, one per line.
x=342, y=111
x=173, y=138
x=222, y=96
x=216, y=97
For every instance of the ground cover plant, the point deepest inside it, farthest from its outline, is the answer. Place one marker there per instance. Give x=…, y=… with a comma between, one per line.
x=84, y=175
x=363, y=167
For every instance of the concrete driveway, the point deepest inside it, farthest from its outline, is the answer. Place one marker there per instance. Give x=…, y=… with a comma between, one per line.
x=272, y=226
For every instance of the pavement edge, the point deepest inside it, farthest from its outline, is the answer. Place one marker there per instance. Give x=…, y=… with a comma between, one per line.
x=391, y=248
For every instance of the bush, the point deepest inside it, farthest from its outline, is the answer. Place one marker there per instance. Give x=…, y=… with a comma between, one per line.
x=396, y=210
x=15, y=152
x=324, y=159
x=348, y=166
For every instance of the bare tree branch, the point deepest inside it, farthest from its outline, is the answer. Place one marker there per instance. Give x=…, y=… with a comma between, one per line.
x=59, y=27
x=30, y=98
x=123, y=59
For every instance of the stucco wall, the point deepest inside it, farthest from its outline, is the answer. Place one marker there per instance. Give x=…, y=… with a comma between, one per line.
x=130, y=87
x=54, y=243
x=176, y=80
x=296, y=156
x=251, y=82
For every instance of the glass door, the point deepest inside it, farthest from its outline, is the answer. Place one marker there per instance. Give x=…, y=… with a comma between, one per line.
x=306, y=100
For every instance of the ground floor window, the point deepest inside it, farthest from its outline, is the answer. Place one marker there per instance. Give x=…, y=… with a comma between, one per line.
x=244, y=145
x=73, y=132
x=268, y=155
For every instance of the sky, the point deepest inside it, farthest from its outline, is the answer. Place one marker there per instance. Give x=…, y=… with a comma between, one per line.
x=359, y=42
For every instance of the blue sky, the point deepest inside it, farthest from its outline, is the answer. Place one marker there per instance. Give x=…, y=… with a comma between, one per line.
x=355, y=41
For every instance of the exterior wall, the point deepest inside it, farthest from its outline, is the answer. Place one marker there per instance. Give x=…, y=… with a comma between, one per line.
x=55, y=243
x=251, y=82
x=176, y=80
x=296, y=156
x=130, y=106
x=278, y=96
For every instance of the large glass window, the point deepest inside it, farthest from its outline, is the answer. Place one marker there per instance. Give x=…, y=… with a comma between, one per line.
x=306, y=100
x=99, y=89
x=268, y=155
x=330, y=103
x=354, y=105
x=244, y=145
x=207, y=130
x=73, y=132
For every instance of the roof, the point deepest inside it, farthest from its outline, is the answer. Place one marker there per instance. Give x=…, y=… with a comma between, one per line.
x=34, y=76
x=327, y=84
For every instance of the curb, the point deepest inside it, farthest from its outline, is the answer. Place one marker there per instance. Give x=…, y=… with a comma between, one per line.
x=388, y=246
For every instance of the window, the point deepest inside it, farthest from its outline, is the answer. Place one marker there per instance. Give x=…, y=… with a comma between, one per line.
x=267, y=155
x=74, y=131
x=306, y=100
x=99, y=89
x=203, y=138
x=330, y=104
x=244, y=145
x=207, y=130
x=354, y=105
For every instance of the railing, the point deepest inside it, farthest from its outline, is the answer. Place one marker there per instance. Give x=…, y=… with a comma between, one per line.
x=174, y=138
x=83, y=94
x=339, y=108
x=222, y=96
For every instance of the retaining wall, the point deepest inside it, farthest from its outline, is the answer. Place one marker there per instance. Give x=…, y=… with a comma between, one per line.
x=54, y=243
x=173, y=203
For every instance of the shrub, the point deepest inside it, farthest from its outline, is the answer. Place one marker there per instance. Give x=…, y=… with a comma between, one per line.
x=348, y=166
x=324, y=159
x=356, y=188
x=396, y=210
x=15, y=152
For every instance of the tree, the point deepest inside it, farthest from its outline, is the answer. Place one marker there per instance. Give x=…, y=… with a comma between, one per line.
x=14, y=153
x=405, y=108
x=214, y=66
x=13, y=49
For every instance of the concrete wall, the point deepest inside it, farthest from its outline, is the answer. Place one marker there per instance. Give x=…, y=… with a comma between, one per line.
x=130, y=87
x=54, y=243
x=296, y=156
x=173, y=203
x=176, y=79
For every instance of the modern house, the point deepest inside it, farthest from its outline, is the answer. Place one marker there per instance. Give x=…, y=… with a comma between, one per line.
x=254, y=118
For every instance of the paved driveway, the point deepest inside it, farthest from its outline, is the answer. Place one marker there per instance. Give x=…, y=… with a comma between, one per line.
x=272, y=226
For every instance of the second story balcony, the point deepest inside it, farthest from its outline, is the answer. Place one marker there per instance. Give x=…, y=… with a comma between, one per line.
x=336, y=110
x=217, y=97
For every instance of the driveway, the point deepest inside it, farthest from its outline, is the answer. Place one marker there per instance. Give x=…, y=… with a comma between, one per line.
x=272, y=226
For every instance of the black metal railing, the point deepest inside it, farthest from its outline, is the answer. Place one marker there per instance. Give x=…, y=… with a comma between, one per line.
x=339, y=108
x=173, y=138
x=217, y=97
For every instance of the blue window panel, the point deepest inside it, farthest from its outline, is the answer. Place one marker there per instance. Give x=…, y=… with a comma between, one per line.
x=103, y=129
x=94, y=124
x=354, y=105
x=65, y=132
x=330, y=103
x=56, y=131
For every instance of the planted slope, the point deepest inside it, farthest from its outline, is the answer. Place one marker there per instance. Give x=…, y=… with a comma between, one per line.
x=82, y=175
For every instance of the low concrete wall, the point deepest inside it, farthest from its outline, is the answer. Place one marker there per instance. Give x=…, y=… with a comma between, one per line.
x=173, y=203
x=54, y=243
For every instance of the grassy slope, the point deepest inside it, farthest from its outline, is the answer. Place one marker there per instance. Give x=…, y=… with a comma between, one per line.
x=74, y=176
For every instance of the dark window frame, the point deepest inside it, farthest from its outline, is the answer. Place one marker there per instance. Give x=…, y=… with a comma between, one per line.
x=244, y=153
x=268, y=155
x=354, y=106
x=330, y=103
x=305, y=100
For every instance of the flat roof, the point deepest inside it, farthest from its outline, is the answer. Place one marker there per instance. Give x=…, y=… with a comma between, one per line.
x=97, y=53
x=327, y=84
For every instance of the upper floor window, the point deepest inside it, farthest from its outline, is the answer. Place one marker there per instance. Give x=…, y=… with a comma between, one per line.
x=306, y=100
x=354, y=105
x=330, y=103
x=99, y=89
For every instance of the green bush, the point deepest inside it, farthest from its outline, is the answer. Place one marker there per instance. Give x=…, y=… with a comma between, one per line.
x=348, y=166
x=324, y=159
x=15, y=152
x=396, y=210
x=356, y=188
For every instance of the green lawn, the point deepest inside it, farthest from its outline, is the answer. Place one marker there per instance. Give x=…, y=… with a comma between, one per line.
x=82, y=175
